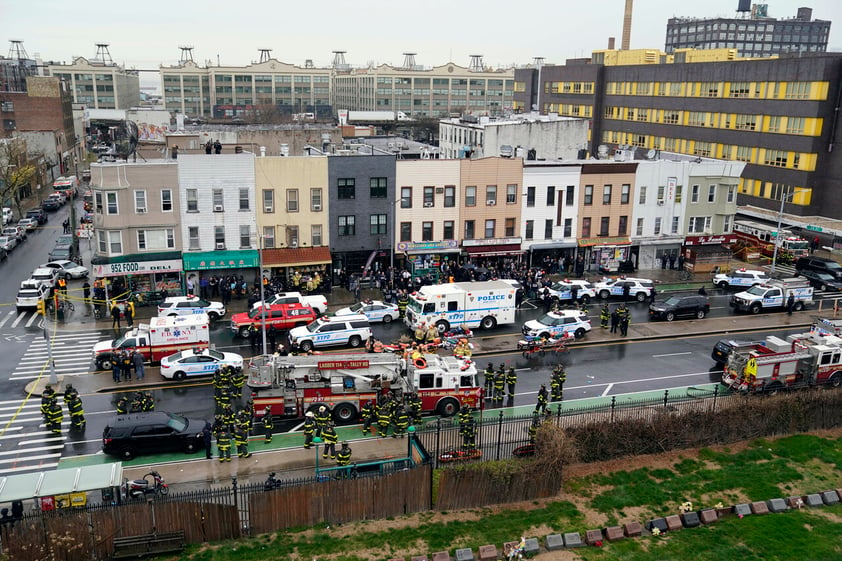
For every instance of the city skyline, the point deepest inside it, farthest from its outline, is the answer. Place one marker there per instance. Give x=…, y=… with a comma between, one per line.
x=366, y=36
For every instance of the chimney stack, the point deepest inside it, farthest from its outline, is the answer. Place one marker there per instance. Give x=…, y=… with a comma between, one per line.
x=627, y=21
x=611, y=43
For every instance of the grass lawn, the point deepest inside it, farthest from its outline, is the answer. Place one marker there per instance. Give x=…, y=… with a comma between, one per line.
x=646, y=487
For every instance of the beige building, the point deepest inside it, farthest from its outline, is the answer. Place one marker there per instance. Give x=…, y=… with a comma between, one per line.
x=98, y=85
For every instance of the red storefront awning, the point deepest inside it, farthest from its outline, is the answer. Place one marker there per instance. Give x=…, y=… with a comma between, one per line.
x=296, y=257
x=493, y=250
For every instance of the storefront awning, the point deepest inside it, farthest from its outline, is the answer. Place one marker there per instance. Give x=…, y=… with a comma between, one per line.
x=493, y=250
x=619, y=240
x=210, y=260
x=296, y=257
x=710, y=240
x=552, y=245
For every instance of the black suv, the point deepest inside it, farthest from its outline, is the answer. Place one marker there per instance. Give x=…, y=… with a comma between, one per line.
x=820, y=265
x=820, y=280
x=38, y=214
x=676, y=306
x=126, y=436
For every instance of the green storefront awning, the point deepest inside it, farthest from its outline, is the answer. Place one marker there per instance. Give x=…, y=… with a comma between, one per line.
x=210, y=260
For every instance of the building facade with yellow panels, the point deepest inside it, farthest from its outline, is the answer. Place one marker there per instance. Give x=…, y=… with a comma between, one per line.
x=776, y=115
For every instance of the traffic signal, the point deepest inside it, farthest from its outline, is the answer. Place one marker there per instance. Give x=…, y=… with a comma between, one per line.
x=41, y=308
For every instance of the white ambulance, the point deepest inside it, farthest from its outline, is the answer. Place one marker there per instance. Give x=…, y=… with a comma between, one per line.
x=470, y=304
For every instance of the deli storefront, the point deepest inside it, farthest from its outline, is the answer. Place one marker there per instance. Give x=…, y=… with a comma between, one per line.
x=146, y=274
x=607, y=254
x=706, y=254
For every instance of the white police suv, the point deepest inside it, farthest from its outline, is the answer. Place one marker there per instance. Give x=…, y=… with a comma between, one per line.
x=741, y=278
x=329, y=331
x=190, y=305
x=639, y=289
x=555, y=324
x=563, y=290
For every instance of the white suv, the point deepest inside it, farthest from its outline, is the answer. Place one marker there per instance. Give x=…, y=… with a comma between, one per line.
x=30, y=293
x=638, y=288
x=46, y=276
x=555, y=324
x=353, y=331
x=563, y=290
x=741, y=278
x=190, y=305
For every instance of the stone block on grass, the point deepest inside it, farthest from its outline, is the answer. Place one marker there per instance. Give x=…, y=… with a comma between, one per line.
x=488, y=553
x=830, y=497
x=742, y=509
x=531, y=547
x=573, y=539
x=632, y=529
x=777, y=505
x=659, y=523
x=759, y=507
x=441, y=556
x=690, y=519
x=464, y=554
x=813, y=499
x=420, y=558
x=673, y=522
x=614, y=533
x=593, y=536
x=708, y=516
x=795, y=502
x=553, y=542
x=397, y=559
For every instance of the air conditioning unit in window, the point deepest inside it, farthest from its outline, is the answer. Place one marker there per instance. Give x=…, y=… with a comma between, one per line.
x=660, y=202
x=267, y=209
x=490, y=203
x=218, y=208
x=220, y=246
x=141, y=210
x=428, y=205
x=317, y=208
x=294, y=244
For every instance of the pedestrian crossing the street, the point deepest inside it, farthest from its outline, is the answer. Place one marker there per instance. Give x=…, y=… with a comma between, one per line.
x=11, y=319
x=26, y=445
x=71, y=352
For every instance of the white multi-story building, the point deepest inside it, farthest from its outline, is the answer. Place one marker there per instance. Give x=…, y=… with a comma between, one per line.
x=549, y=208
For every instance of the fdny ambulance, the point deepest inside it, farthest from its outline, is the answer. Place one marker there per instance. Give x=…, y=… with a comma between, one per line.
x=469, y=304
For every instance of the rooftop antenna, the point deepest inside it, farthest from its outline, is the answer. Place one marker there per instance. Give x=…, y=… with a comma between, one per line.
x=409, y=61
x=476, y=64
x=264, y=55
x=102, y=54
x=308, y=63
x=16, y=50
x=186, y=54
x=537, y=61
x=339, y=59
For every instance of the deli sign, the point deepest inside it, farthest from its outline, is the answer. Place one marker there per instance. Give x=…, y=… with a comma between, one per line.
x=137, y=268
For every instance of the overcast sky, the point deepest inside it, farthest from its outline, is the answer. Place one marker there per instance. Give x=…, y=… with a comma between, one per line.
x=148, y=33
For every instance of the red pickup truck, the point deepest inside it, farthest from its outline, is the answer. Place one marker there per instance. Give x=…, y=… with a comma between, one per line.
x=281, y=316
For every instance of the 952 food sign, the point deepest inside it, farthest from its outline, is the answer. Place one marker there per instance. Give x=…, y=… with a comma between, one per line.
x=137, y=267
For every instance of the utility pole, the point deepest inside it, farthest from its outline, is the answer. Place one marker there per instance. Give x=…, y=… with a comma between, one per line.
x=784, y=196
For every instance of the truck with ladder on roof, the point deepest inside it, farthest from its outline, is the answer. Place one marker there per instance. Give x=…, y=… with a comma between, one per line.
x=293, y=385
x=802, y=360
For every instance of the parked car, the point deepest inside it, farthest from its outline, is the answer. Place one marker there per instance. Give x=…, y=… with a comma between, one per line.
x=45, y=275
x=63, y=252
x=821, y=281
x=29, y=294
x=563, y=290
x=28, y=224
x=638, y=288
x=555, y=324
x=695, y=305
x=326, y=331
x=819, y=264
x=190, y=305
x=203, y=363
x=68, y=269
x=8, y=243
x=51, y=204
x=15, y=231
x=38, y=214
x=374, y=310
x=281, y=316
x=126, y=436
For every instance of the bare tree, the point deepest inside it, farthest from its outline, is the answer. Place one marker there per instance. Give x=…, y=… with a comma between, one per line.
x=17, y=171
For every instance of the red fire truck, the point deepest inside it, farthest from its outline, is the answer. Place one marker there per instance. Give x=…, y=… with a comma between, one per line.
x=293, y=385
x=763, y=236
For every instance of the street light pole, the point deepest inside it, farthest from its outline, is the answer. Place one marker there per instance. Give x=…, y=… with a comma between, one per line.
x=784, y=196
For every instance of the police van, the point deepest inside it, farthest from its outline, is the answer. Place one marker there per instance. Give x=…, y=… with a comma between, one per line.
x=328, y=331
x=741, y=278
x=469, y=304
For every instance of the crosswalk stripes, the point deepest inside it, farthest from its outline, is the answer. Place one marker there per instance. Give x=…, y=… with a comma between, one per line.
x=71, y=354
x=35, y=449
x=785, y=270
x=26, y=318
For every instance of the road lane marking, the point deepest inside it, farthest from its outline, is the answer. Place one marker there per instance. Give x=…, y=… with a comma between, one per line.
x=20, y=469
x=671, y=354
x=17, y=320
x=607, y=389
x=7, y=317
x=41, y=441
x=25, y=458
x=32, y=320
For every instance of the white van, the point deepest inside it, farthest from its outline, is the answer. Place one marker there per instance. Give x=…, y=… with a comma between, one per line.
x=7, y=215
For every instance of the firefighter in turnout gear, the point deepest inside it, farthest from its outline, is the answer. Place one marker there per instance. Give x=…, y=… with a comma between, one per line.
x=557, y=383
x=415, y=407
x=511, y=381
x=309, y=429
x=123, y=405
x=76, y=410
x=604, y=316
x=322, y=419
x=469, y=435
x=268, y=424
x=241, y=439
x=533, y=427
x=243, y=419
x=368, y=415
x=541, y=406
x=147, y=402
x=403, y=302
x=400, y=419
x=47, y=398
x=499, y=383
x=330, y=437
x=489, y=381
x=223, y=444
x=55, y=417
x=384, y=419
x=238, y=380
x=343, y=457
x=464, y=417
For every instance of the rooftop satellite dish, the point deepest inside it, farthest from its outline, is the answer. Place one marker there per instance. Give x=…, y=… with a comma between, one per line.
x=650, y=155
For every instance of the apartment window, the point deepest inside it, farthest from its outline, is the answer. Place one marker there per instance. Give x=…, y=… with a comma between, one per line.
x=491, y=195
x=732, y=194
x=140, y=201
x=529, y=233
x=347, y=225
x=218, y=200
x=726, y=224
x=244, y=199
x=347, y=187
x=292, y=236
x=675, y=224
x=711, y=193
x=657, y=230
x=510, y=227
x=588, y=194
x=625, y=193
x=568, y=227
x=530, y=196
x=193, y=237
x=470, y=231
x=406, y=197
x=699, y=224
x=426, y=231
x=377, y=188
x=316, y=235
x=447, y=230
x=550, y=195
x=156, y=240
x=429, y=196
x=471, y=196
x=570, y=195
x=694, y=194
x=110, y=243
x=449, y=196
x=678, y=193
x=586, y=227
x=245, y=236
x=406, y=231
x=292, y=200
x=743, y=154
x=268, y=237
x=777, y=158
x=268, y=200
x=548, y=229
x=166, y=200
x=641, y=195
x=511, y=194
x=604, y=224
x=606, y=194
x=490, y=227
x=378, y=224
x=623, y=226
x=639, y=229
x=219, y=236
x=111, y=203
x=795, y=125
x=316, y=200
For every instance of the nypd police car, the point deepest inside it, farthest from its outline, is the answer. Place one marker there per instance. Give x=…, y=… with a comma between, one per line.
x=190, y=305
x=741, y=278
x=556, y=324
x=638, y=288
x=563, y=290
x=328, y=331
x=197, y=363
